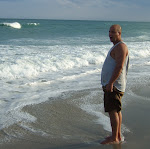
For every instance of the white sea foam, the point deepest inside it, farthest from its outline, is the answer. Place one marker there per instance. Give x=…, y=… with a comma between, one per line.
x=95, y=109
x=13, y=25
x=139, y=50
x=98, y=111
x=33, y=130
x=35, y=24
x=31, y=65
x=11, y=109
x=48, y=64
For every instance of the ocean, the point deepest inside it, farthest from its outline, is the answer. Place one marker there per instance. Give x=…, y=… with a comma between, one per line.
x=60, y=61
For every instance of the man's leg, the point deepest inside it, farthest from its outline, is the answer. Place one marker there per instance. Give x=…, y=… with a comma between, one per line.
x=119, y=129
x=115, y=122
x=120, y=122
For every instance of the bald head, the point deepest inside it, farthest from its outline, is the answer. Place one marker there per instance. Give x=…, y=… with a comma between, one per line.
x=116, y=27
x=115, y=33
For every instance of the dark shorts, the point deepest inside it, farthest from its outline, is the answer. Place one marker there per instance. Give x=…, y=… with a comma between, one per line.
x=112, y=100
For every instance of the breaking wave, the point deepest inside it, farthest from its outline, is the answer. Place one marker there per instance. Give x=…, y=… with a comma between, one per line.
x=13, y=25
x=17, y=25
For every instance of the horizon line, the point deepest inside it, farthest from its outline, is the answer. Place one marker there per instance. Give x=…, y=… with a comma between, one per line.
x=75, y=19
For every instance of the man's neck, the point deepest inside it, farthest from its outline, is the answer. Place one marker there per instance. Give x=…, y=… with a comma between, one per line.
x=117, y=42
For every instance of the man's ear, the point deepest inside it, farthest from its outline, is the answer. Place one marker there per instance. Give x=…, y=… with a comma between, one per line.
x=119, y=33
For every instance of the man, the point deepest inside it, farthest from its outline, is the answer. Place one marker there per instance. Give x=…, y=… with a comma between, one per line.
x=113, y=80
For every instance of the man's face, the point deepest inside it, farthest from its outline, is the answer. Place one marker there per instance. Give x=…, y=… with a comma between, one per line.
x=113, y=34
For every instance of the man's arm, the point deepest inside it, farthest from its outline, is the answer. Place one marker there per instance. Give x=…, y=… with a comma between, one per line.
x=120, y=53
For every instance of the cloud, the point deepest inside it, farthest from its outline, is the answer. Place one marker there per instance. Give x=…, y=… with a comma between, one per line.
x=11, y=0
x=76, y=9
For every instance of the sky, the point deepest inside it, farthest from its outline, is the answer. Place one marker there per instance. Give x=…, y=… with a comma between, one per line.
x=106, y=10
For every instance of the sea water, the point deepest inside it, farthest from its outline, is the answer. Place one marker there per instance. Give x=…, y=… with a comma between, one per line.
x=41, y=60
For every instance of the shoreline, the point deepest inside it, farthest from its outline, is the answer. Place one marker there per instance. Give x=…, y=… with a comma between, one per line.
x=72, y=128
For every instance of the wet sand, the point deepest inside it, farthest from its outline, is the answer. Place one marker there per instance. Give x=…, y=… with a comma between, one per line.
x=61, y=124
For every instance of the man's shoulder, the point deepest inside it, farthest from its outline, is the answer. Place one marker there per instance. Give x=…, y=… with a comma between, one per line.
x=121, y=47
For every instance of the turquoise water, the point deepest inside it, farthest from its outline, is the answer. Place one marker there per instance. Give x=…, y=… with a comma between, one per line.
x=57, y=29
x=44, y=59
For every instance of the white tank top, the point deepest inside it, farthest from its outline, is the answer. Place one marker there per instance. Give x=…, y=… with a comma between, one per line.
x=108, y=69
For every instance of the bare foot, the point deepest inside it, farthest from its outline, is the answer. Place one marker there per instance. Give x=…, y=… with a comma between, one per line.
x=120, y=139
x=109, y=140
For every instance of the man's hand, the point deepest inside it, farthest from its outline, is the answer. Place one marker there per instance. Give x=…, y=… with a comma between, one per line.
x=109, y=87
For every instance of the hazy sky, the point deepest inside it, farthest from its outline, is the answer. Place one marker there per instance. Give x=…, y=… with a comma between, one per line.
x=118, y=10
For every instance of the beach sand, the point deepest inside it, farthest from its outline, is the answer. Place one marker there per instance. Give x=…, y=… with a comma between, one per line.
x=61, y=124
